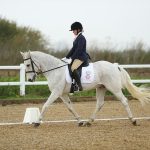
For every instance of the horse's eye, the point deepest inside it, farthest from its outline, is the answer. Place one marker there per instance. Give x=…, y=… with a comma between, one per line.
x=28, y=65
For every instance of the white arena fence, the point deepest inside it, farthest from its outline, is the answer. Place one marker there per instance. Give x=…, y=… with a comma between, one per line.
x=22, y=83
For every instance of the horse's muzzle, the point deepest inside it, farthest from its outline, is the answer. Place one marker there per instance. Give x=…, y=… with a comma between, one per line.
x=33, y=79
x=30, y=80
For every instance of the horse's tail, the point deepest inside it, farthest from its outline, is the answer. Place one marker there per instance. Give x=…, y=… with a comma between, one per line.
x=142, y=95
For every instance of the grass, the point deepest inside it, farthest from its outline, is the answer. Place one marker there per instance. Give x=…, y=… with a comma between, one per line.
x=38, y=91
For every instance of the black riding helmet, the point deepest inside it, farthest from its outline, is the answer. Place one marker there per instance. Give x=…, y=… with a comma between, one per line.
x=76, y=26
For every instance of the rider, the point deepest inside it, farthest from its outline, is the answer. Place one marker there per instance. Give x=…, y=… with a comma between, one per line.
x=78, y=52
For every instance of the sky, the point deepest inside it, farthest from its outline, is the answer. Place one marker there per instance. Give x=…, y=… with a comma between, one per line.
x=106, y=23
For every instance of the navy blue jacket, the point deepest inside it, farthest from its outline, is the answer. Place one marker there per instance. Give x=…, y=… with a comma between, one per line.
x=78, y=50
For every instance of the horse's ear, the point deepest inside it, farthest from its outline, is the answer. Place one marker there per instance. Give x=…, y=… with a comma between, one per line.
x=29, y=53
x=22, y=54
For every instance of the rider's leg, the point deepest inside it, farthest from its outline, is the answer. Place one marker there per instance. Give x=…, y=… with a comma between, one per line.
x=77, y=78
x=75, y=65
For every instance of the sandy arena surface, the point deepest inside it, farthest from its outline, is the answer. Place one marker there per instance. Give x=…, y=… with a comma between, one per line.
x=102, y=135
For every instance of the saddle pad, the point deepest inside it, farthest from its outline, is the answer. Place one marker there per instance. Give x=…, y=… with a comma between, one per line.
x=87, y=74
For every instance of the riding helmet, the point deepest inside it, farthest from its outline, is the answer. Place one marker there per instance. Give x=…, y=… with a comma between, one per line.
x=76, y=25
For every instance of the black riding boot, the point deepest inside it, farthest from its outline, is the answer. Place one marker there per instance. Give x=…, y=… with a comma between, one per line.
x=77, y=79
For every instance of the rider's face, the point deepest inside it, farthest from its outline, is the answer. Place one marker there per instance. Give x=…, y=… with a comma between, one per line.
x=75, y=32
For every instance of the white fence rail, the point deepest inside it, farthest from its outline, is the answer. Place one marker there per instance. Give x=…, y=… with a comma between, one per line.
x=22, y=83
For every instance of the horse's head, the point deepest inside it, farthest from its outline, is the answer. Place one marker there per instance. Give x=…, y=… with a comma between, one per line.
x=31, y=67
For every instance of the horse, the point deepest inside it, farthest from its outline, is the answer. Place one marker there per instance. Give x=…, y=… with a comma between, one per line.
x=107, y=77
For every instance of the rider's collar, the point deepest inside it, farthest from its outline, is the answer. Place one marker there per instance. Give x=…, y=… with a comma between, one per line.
x=77, y=35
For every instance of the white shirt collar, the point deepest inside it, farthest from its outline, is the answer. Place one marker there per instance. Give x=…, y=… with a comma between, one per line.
x=77, y=35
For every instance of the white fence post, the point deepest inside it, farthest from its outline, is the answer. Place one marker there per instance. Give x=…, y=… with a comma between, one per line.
x=22, y=79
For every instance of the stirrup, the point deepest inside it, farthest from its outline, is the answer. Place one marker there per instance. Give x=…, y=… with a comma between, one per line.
x=74, y=87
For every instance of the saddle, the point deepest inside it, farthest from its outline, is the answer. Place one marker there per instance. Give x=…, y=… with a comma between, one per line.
x=84, y=64
x=85, y=72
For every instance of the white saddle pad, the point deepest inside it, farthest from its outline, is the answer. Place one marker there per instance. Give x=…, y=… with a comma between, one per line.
x=87, y=74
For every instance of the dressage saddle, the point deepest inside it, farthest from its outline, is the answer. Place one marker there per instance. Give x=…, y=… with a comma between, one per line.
x=75, y=76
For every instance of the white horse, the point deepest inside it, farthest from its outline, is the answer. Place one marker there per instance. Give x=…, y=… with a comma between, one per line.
x=108, y=76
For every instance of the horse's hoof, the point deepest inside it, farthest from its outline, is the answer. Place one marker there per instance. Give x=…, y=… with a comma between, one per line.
x=84, y=124
x=36, y=125
x=80, y=124
x=134, y=123
x=87, y=124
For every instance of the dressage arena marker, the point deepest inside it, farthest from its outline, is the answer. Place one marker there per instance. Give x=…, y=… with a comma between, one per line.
x=31, y=115
x=65, y=121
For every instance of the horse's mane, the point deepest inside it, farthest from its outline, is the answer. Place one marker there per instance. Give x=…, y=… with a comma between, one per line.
x=45, y=55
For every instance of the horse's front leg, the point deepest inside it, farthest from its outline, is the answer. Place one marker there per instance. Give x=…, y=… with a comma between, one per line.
x=50, y=100
x=68, y=103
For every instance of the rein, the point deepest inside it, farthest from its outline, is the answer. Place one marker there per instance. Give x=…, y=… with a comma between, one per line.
x=41, y=72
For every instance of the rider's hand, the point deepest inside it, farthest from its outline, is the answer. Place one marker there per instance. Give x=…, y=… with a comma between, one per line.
x=64, y=58
x=67, y=60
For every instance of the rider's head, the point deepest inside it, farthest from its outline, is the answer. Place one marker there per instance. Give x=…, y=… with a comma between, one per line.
x=76, y=26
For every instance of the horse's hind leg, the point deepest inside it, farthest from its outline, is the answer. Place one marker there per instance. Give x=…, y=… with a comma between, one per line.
x=68, y=103
x=100, y=93
x=124, y=101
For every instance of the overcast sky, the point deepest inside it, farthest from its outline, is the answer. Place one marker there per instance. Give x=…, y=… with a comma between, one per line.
x=106, y=22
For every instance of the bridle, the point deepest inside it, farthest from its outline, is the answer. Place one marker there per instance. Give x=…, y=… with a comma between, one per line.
x=41, y=72
x=32, y=64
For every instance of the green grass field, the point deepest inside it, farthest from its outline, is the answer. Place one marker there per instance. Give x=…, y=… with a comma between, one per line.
x=38, y=91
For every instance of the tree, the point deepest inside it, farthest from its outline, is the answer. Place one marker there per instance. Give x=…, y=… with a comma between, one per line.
x=14, y=39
